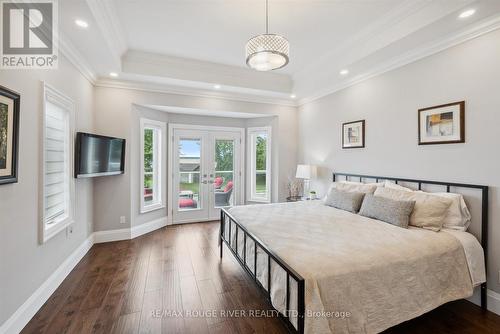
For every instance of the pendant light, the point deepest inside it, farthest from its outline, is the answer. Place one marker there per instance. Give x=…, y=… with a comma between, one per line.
x=267, y=51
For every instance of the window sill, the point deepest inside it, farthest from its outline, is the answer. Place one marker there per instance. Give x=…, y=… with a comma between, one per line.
x=259, y=200
x=55, y=229
x=152, y=207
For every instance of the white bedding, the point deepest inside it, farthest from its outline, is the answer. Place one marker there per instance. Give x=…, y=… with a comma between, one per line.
x=474, y=254
x=381, y=274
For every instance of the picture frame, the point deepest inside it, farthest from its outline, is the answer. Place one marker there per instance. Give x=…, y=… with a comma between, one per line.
x=353, y=134
x=442, y=124
x=9, y=135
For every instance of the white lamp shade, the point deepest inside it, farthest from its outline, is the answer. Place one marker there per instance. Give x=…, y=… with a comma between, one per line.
x=306, y=172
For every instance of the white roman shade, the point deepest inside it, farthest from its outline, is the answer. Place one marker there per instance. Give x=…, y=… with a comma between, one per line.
x=56, y=153
x=57, y=191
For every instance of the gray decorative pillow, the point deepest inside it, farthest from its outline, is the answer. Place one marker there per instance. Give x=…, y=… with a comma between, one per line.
x=387, y=210
x=345, y=200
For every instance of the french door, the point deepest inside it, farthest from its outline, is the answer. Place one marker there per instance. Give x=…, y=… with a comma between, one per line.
x=206, y=169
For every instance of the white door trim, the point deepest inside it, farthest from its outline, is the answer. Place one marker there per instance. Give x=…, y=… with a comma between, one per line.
x=170, y=171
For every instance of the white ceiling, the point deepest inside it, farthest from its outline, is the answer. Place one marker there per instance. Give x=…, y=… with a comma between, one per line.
x=191, y=45
x=216, y=31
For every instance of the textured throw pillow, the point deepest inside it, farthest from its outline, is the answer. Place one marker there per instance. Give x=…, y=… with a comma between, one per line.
x=345, y=200
x=429, y=211
x=366, y=188
x=387, y=210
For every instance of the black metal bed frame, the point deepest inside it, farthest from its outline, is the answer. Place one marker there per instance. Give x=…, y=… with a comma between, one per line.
x=292, y=274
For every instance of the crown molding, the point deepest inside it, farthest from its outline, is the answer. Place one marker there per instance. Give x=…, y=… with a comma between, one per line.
x=406, y=18
x=189, y=91
x=74, y=56
x=481, y=28
x=184, y=69
x=109, y=24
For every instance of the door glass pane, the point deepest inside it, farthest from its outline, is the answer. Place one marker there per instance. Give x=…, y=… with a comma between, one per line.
x=260, y=165
x=224, y=172
x=189, y=174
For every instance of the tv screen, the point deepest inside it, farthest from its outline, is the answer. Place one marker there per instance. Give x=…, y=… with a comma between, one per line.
x=97, y=155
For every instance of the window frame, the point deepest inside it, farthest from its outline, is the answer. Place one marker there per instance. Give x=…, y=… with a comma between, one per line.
x=159, y=128
x=252, y=133
x=53, y=96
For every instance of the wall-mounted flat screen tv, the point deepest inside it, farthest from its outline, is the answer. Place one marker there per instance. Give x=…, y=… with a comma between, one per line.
x=97, y=155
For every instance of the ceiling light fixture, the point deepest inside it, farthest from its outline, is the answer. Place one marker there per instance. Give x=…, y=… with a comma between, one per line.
x=267, y=51
x=113, y=74
x=467, y=13
x=344, y=72
x=81, y=23
x=293, y=96
x=217, y=86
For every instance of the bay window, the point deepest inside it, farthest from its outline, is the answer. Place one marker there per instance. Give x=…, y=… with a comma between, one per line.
x=259, y=149
x=152, y=133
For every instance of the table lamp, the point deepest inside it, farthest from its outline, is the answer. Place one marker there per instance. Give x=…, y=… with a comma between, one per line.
x=306, y=172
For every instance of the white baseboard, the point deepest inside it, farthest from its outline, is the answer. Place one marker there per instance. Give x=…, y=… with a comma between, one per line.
x=129, y=233
x=111, y=235
x=29, y=308
x=139, y=230
x=493, y=299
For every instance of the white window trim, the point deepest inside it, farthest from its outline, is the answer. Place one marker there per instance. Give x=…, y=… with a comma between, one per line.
x=52, y=95
x=158, y=163
x=251, y=164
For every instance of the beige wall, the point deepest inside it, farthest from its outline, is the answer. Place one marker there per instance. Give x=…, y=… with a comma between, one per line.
x=389, y=103
x=24, y=263
x=115, y=116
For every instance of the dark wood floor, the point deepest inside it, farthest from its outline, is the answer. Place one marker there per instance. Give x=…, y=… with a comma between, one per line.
x=122, y=287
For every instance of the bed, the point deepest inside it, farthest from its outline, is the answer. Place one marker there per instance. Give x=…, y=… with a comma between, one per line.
x=327, y=270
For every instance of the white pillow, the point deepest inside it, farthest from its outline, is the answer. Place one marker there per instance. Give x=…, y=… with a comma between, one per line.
x=429, y=211
x=392, y=185
x=352, y=183
x=458, y=216
x=366, y=188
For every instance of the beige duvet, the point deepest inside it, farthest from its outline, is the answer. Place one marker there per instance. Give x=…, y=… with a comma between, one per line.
x=367, y=274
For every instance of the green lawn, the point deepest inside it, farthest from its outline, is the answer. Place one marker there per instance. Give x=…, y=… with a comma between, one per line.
x=260, y=186
x=194, y=187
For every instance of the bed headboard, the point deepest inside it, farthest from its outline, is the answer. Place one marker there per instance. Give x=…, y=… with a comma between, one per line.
x=481, y=232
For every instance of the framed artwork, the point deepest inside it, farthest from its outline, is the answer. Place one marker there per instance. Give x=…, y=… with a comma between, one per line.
x=444, y=124
x=353, y=134
x=9, y=133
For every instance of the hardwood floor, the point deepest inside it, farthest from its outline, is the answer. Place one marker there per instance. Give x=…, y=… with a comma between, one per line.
x=128, y=286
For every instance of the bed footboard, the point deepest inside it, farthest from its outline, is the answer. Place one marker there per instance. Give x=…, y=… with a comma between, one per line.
x=229, y=224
